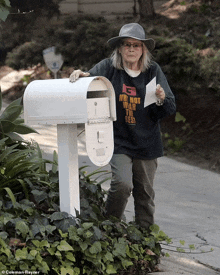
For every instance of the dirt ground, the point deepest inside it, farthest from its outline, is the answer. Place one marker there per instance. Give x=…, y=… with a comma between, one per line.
x=200, y=133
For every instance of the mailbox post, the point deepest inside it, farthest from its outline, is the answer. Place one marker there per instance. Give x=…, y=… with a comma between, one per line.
x=90, y=100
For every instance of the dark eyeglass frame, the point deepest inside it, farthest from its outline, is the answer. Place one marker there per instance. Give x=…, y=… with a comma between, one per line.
x=135, y=45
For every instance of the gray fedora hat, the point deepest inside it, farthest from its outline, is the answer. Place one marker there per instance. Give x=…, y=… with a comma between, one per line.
x=132, y=30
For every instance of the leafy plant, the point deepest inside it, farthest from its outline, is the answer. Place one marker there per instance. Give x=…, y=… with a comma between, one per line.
x=25, y=55
x=20, y=162
x=36, y=236
x=179, y=61
x=4, y=9
x=11, y=124
x=210, y=68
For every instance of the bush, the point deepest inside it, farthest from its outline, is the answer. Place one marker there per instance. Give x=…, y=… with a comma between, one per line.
x=26, y=55
x=36, y=236
x=210, y=71
x=179, y=61
x=81, y=41
x=86, y=46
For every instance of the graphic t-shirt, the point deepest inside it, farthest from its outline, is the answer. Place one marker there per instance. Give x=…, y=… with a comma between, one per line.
x=137, y=129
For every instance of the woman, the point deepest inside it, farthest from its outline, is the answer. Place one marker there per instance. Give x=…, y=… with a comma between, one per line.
x=137, y=138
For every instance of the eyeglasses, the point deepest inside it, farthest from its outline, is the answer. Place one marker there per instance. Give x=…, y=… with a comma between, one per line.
x=128, y=45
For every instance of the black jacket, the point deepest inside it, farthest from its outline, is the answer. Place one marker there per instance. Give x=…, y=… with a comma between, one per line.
x=137, y=129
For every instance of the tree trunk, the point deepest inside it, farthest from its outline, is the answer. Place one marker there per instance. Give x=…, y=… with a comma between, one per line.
x=146, y=9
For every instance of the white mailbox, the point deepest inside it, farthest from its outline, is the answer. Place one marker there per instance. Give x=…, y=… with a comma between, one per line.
x=89, y=100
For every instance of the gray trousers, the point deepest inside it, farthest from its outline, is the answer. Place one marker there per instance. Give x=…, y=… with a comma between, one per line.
x=134, y=176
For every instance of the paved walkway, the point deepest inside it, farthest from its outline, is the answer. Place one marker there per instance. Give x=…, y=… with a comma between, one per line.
x=187, y=208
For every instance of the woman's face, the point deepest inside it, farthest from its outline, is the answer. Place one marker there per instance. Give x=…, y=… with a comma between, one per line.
x=131, y=51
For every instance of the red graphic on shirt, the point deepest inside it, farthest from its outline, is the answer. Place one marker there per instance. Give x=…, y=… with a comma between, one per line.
x=130, y=101
x=129, y=90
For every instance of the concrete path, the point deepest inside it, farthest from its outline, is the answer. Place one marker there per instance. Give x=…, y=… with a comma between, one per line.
x=187, y=207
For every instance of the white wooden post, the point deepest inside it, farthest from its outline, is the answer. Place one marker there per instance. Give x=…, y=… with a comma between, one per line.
x=90, y=100
x=68, y=168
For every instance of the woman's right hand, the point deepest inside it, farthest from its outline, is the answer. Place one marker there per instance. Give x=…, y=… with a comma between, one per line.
x=76, y=74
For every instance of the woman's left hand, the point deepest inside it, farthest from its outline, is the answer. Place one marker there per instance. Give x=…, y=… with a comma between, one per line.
x=160, y=94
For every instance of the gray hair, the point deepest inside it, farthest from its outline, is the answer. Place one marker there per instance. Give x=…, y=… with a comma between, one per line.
x=145, y=59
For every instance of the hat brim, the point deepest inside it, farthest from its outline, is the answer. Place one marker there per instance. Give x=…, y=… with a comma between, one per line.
x=150, y=43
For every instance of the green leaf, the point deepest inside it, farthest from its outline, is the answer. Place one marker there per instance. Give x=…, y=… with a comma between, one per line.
x=44, y=267
x=14, y=136
x=87, y=225
x=110, y=269
x=33, y=253
x=23, y=129
x=7, y=126
x=21, y=254
x=57, y=216
x=65, y=271
x=64, y=246
x=97, y=233
x=18, y=121
x=22, y=227
x=24, y=188
x=179, y=117
x=39, y=226
x=3, y=13
x=44, y=243
x=155, y=228
x=134, y=233
x=83, y=246
x=55, y=162
x=51, y=250
x=95, y=248
x=11, y=113
x=39, y=196
x=76, y=271
x=73, y=234
x=50, y=229
x=108, y=257
x=11, y=195
x=126, y=263
x=3, y=235
x=70, y=256
x=36, y=243
x=6, y=251
x=65, y=224
x=120, y=250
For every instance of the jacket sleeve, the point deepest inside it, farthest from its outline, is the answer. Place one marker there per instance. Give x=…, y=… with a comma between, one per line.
x=169, y=106
x=103, y=68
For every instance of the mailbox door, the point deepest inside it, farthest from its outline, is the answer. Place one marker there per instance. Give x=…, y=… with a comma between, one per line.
x=99, y=142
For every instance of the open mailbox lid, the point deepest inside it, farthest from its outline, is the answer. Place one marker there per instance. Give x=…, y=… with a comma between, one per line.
x=89, y=100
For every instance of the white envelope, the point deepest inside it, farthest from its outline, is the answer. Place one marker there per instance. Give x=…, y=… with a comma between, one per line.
x=150, y=96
